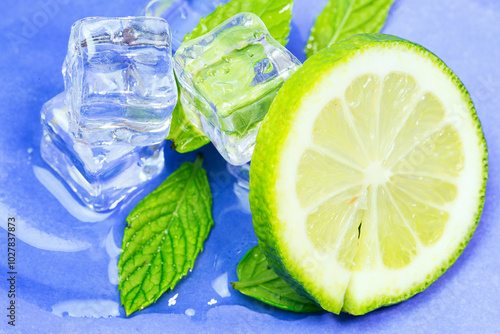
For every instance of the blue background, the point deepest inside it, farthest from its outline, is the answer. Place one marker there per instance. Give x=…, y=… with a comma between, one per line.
x=61, y=259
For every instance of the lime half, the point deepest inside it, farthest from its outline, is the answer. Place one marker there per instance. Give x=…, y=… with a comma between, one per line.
x=369, y=174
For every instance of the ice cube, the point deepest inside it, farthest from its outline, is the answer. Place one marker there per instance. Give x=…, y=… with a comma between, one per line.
x=100, y=175
x=228, y=79
x=119, y=82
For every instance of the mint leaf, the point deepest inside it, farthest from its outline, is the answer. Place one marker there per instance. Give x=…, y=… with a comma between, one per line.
x=276, y=14
x=258, y=280
x=164, y=234
x=342, y=18
x=183, y=133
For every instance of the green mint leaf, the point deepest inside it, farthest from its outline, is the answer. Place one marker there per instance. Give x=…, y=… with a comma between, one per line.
x=342, y=18
x=164, y=234
x=258, y=280
x=276, y=15
x=183, y=133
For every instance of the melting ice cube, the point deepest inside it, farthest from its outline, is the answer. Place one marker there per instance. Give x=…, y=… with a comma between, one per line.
x=228, y=79
x=119, y=82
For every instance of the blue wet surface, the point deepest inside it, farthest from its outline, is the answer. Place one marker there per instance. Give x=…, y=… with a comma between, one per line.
x=65, y=266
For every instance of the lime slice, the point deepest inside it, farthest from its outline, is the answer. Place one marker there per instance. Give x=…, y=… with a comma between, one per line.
x=369, y=174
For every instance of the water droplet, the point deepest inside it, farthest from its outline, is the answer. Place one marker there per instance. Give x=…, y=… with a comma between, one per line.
x=190, y=312
x=269, y=68
x=220, y=285
x=258, y=34
x=99, y=159
x=173, y=301
x=250, y=54
x=183, y=13
x=121, y=134
x=226, y=59
x=148, y=170
x=212, y=72
x=225, y=70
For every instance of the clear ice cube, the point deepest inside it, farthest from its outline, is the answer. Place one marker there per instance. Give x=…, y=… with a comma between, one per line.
x=105, y=134
x=119, y=81
x=100, y=175
x=228, y=79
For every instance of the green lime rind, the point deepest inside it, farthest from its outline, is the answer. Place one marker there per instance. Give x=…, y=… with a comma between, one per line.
x=270, y=145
